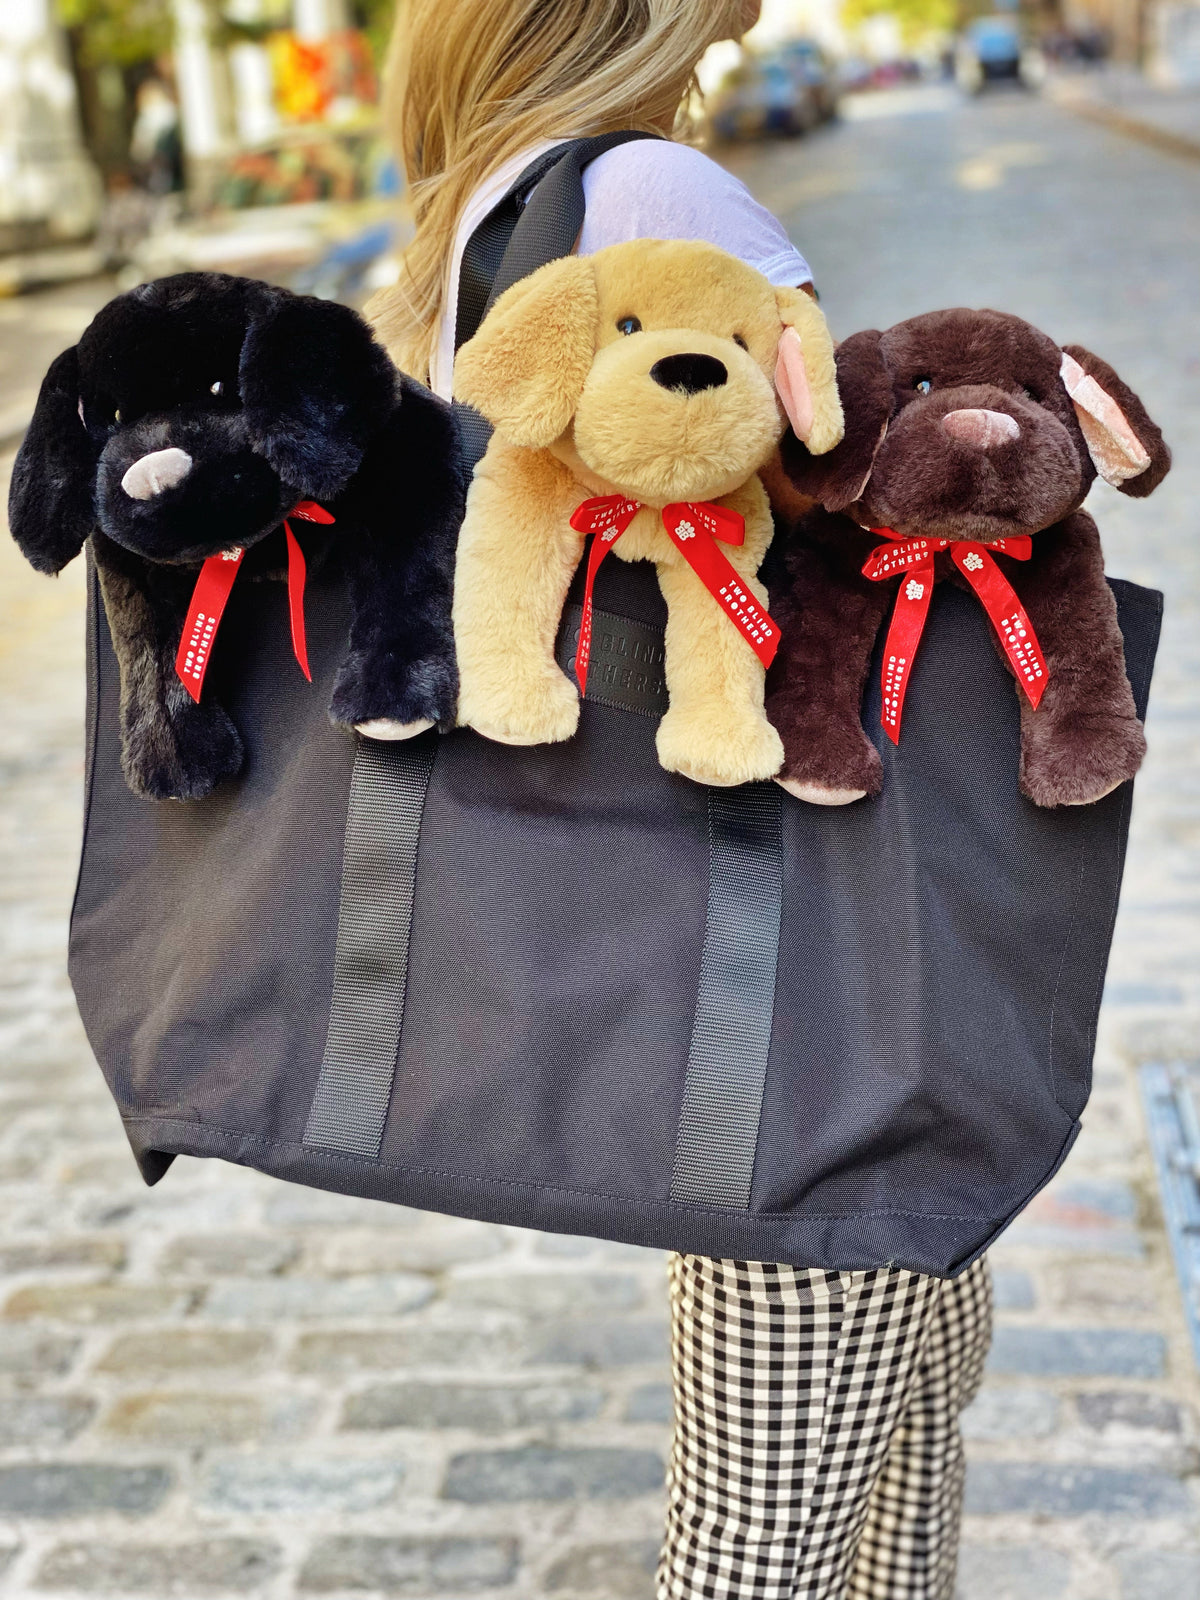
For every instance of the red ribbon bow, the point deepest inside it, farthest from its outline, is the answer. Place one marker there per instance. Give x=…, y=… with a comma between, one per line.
x=694, y=526
x=213, y=587
x=1006, y=613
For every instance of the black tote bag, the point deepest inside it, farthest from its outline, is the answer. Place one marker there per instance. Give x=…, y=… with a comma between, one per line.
x=563, y=988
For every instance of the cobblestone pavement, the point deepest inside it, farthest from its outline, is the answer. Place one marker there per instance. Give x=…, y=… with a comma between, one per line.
x=230, y=1386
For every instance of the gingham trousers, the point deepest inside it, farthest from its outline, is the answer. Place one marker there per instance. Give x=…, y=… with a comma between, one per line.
x=817, y=1453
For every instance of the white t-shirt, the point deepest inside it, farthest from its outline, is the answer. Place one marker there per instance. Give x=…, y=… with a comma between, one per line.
x=646, y=189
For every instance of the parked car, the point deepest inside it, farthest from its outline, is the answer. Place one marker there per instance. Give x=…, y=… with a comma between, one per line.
x=815, y=76
x=858, y=76
x=994, y=49
x=785, y=91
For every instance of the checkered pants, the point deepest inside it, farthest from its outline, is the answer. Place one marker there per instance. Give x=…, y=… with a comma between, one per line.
x=817, y=1454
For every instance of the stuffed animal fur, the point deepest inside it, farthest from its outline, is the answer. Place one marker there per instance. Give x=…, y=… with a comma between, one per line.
x=192, y=416
x=655, y=371
x=964, y=425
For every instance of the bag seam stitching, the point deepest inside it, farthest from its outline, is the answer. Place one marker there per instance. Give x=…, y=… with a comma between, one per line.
x=599, y=1194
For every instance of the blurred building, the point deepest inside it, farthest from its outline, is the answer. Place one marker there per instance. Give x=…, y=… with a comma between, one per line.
x=1163, y=36
x=269, y=66
x=813, y=19
x=1173, y=44
x=1119, y=22
x=50, y=190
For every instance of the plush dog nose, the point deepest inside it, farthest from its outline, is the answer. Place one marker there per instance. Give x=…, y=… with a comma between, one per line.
x=150, y=475
x=984, y=429
x=691, y=373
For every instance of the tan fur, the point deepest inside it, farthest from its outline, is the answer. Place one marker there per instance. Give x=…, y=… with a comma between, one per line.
x=517, y=553
x=576, y=413
x=715, y=730
x=798, y=310
x=526, y=388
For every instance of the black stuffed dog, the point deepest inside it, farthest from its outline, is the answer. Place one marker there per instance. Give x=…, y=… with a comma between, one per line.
x=971, y=442
x=194, y=416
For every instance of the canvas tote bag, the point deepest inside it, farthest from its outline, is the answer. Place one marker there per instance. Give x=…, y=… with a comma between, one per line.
x=563, y=988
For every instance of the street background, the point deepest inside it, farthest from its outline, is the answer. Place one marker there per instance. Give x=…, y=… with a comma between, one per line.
x=229, y=1386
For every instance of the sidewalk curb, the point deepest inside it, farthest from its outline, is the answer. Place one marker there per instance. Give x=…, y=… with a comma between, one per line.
x=1083, y=105
x=27, y=272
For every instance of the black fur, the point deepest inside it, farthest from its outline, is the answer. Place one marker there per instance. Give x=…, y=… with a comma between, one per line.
x=51, y=498
x=309, y=407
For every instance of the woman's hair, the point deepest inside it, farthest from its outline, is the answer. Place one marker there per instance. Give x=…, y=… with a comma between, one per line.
x=470, y=83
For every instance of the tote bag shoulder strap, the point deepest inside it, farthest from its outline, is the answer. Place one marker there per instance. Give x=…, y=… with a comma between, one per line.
x=537, y=221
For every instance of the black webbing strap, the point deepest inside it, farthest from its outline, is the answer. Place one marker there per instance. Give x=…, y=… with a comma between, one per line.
x=370, y=967
x=537, y=221
x=735, y=1004
x=484, y=250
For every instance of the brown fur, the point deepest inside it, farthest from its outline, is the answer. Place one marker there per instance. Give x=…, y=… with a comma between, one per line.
x=576, y=413
x=829, y=615
x=900, y=468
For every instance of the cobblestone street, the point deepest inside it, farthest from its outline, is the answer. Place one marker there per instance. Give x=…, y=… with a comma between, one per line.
x=229, y=1386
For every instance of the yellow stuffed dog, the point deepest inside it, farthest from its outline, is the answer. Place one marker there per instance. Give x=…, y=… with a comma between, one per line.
x=657, y=373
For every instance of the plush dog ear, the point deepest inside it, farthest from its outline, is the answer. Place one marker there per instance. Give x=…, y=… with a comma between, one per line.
x=1126, y=447
x=51, y=499
x=838, y=478
x=805, y=373
x=526, y=366
x=315, y=388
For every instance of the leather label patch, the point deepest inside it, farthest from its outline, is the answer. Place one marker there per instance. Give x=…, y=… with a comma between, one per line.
x=627, y=669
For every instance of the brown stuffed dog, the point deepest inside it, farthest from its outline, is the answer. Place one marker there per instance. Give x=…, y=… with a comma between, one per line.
x=967, y=432
x=648, y=380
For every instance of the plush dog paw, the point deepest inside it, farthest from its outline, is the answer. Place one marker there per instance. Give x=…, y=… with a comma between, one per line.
x=719, y=746
x=835, y=766
x=375, y=695
x=387, y=728
x=1078, y=760
x=1091, y=800
x=181, y=754
x=527, y=709
x=819, y=794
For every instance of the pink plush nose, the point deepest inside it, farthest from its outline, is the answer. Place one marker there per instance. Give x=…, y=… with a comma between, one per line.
x=984, y=429
x=150, y=475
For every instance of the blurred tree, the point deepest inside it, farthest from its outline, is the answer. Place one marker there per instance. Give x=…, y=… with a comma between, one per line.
x=123, y=32
x=916, y=18
x=114, y=47
x=374, y=17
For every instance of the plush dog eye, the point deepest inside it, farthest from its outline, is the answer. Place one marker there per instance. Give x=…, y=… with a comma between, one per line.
x=629, y=325
x=216, y=388
x=738, y=340
x=922, y=385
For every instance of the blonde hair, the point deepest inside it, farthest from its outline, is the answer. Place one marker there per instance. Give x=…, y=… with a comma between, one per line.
x=470, y=83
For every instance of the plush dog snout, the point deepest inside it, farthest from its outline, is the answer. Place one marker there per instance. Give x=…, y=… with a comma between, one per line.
x=984, y=429
x=150, y=475
x=690, y=372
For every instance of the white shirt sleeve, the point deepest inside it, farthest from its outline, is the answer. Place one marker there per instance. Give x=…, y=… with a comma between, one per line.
x=656, y=189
